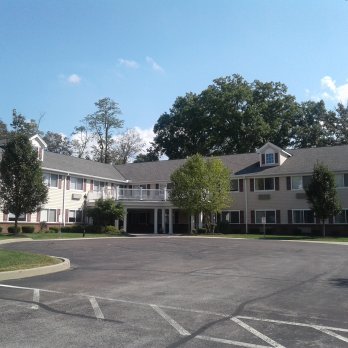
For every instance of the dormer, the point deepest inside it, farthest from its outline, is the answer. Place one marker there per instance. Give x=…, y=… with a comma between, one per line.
x=272, y=155
x=40, y=146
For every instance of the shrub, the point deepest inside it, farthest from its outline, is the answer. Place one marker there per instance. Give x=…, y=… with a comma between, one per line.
x=11, y=229
x=0, y=229
x=43, y=225
x=201, y=230
x=53, y=229
x=66, y=229
x=112, y=230
x=28, y=229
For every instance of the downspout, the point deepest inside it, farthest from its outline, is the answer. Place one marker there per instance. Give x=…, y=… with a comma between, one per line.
x=63, y=212
x=246, y=205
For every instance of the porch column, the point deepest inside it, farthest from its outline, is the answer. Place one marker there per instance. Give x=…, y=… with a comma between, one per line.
x=200, y=220
x=155, y=222
x=170, y=220
x=192, y=222
x=117, y=224
x=125, y=219
x=163, y=220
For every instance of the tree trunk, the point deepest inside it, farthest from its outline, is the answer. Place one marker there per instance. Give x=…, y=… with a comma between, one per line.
x=323, y=230
x=16, y=224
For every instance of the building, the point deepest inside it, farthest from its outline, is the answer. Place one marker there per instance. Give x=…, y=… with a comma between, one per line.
x=267, y=189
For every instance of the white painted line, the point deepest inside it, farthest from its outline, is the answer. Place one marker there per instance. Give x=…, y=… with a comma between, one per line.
x=235, y=343
x=257, y=333
x=333, y=334
x=98, y=313
x=24, y=288
x=195, y=311
x=36, y=298
x=318, y=327
x=171, y=321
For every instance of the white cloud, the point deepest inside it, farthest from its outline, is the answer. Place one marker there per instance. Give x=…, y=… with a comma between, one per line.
x=74, y=79
x=332, y=91
x=146, y=135
x=154, y=65
x=131, y=64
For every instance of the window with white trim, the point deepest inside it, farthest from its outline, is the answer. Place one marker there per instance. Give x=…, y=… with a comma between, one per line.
x=234, y=185
x=50, y=180
x=76, y=183
x=342, y=217
x=98, y=185
x=48, y=215
x=269, y=158
x=75, y=215
x=232, y=216
x=22, y=217
x=300, y=182
x=341, y=180
x=264, y=184
x=270, y=216
x=302, y=216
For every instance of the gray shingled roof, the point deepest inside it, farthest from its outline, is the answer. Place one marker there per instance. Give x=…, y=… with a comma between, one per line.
x=301, y=162
x=80, y=166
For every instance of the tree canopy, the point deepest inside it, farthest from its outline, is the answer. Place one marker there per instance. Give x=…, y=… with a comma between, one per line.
x=201, y=185
x=18, y=195
x=322, y=194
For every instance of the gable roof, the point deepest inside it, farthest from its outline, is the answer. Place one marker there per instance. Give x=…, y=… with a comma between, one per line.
x=81, y=167
x=274, y=147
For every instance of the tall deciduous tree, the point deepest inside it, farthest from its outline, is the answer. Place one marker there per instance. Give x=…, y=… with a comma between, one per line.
x=21, y=125
x=80, y=139
x=151, y=155
x=126, y=146
x=22, y=190
x=342, y=124
x=201, y=185
x=101, y=124
x=322, y=194
x=58, y=143
x=3, y=130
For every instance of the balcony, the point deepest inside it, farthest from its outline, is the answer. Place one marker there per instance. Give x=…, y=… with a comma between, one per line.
x=135, y=194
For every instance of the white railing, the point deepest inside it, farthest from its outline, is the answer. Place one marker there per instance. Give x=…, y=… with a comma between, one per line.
x=134, y=194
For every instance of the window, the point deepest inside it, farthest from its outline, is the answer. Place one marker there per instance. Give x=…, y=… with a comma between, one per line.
x=51, y=180
x=300, y=182
x=76, y=183
x=234, y=185
x=232, y=217
x=303, y=216
x=264, y=184
x=98, y=185
x=270, y=216
x=341, y=180
x=75, y=215
x=11, y=217
x=269, y=158
x=48, y=215
x=342, y=217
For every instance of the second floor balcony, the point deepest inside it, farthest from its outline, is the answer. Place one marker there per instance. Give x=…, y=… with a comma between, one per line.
x=126, y=194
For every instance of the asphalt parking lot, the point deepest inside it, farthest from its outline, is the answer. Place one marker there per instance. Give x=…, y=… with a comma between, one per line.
x=180, y=292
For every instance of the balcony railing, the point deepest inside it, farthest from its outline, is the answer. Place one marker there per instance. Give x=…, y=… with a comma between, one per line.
x=134, y=194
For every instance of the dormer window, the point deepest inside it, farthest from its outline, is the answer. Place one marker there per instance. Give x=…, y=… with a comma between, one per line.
x=272, y=155
x=269, y=158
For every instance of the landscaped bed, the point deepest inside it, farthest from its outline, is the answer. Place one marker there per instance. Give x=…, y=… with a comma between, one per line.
x=54, y=235
x=15, y=260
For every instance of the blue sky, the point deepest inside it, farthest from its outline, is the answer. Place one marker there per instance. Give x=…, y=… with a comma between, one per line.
x=58, y=57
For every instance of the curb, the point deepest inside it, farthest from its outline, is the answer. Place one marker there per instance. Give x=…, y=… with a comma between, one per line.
x=10, y=240
x=32, y=272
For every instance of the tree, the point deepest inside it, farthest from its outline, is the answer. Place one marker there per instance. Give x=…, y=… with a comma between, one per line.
x=22, y=190
x=22, y=126
x=126, y=146
x=201, y=185
x=151, y=155
x=342, y=124
x=101, y=124
x=57, y=143
x=230, y=116
x=3, y=130
x=80, y=141
x=322, y=195
x=105, y=212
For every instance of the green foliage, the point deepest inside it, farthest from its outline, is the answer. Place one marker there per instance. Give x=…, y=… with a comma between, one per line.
x=151, y=155
x=22, y=189
x=21, y=126
x=0, y=229
x=53, y=229
x=105, y=212
x=13, y=229
x=112, y=230
x=201, y=185
x=58, y=143
x=43, y=226
x=322, y=195
x=101, y=124
x=28, y=229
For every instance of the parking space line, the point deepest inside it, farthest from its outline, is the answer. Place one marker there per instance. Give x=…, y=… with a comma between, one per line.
x=36, y=298
x=333, y=334
x=25, y=288
x=235, y=343
x=257, y=333
x=171, y=321
x=97, y=311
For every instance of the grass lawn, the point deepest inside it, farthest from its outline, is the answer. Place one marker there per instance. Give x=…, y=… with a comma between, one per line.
x=53, y=235
x=13, y=260
x=278, y=237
